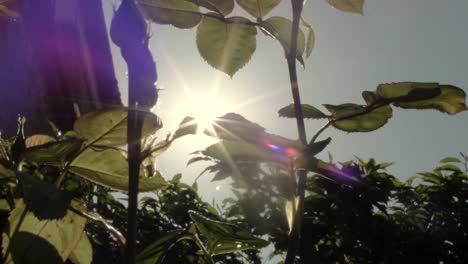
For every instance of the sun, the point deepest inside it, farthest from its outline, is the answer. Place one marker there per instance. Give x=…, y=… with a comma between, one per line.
x=205, y=108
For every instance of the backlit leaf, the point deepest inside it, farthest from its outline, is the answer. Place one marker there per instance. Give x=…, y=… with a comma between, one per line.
x=224, y=238
x=310, y=43
x=179, y=13
x=36, y=241
x=258, y=8
x=281, y=28
x=360, y=120
x=226, y=46
x=352, y=6
x=37, y=140
x=53, y=153
x=450, y=159
x=413, y=95
x=83, y=252
x=109, y=127
x=108, y=167
x=308, y=111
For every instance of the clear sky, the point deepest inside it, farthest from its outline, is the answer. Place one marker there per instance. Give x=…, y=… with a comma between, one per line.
x=398, y=40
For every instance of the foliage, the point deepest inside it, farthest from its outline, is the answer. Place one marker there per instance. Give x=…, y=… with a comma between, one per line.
x=61, y=192
x=54, y=187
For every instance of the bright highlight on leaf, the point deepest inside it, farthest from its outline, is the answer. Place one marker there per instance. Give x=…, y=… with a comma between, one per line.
x=352, y=6
x=226, y=46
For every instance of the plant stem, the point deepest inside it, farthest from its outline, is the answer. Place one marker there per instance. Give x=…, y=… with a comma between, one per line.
x=135, y=123
x=294, y=236
x=203, y=248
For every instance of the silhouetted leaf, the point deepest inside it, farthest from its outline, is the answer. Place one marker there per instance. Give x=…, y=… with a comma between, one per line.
x=258, y=8
x=179, y=13
x=108, y=167
x=235, y=127
x=281, y=28
x=43, y=199
x=53, y=153
x=83, y=252
x=352, y=6
x=62, y=235
x=109, y=127
x=317, y=147
x=360, y=120
x=308, y=111
x=226, y=46
x=156, y=252
x=224, y=238
x=413, y=95
x=188, y=126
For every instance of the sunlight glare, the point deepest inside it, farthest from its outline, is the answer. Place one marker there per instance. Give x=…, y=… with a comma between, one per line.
x=205, y=109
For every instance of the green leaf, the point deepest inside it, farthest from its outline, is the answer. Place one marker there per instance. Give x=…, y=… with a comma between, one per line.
x=226, y=46
x=109, y=127
x=83, y=252
x=450, y=159
x=31, y=240
x=43, y=199
x=359, y=119
x=179, y=13
x=222, y=7
x=317, y=147
x=258, y=8
x=156, y=252
x=6, y=169
x=413, y=95
x=224, y=238
x=369, y=97
x=310, y=43
x=448, y=167
x=176, y=178
x=308, y=111
x=53, y=153
x=108, y=167
x=352, y=6
x=281, y=28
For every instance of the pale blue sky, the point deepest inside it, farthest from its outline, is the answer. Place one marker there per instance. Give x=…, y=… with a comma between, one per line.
x=398, y=40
